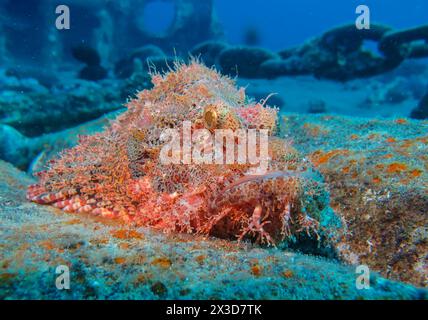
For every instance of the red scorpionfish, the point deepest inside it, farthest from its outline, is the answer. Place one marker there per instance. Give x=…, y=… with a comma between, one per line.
x=118, y=173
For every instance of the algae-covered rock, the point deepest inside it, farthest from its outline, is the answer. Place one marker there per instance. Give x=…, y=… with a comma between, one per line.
x=377, y=172
x=208, y=51
x=68, y=103
x=244, y=61
x=107, y=260
x=35, y=113
x=32, y=153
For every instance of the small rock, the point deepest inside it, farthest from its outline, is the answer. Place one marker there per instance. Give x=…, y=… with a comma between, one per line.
x=244, y=61
x=158, y=288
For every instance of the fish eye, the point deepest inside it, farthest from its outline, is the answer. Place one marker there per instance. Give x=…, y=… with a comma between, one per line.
x=210, y=117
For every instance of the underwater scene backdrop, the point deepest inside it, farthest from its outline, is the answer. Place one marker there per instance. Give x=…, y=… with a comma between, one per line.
x=189, y=149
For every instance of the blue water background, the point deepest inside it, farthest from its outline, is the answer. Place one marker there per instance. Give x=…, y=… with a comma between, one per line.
x=284, y=23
